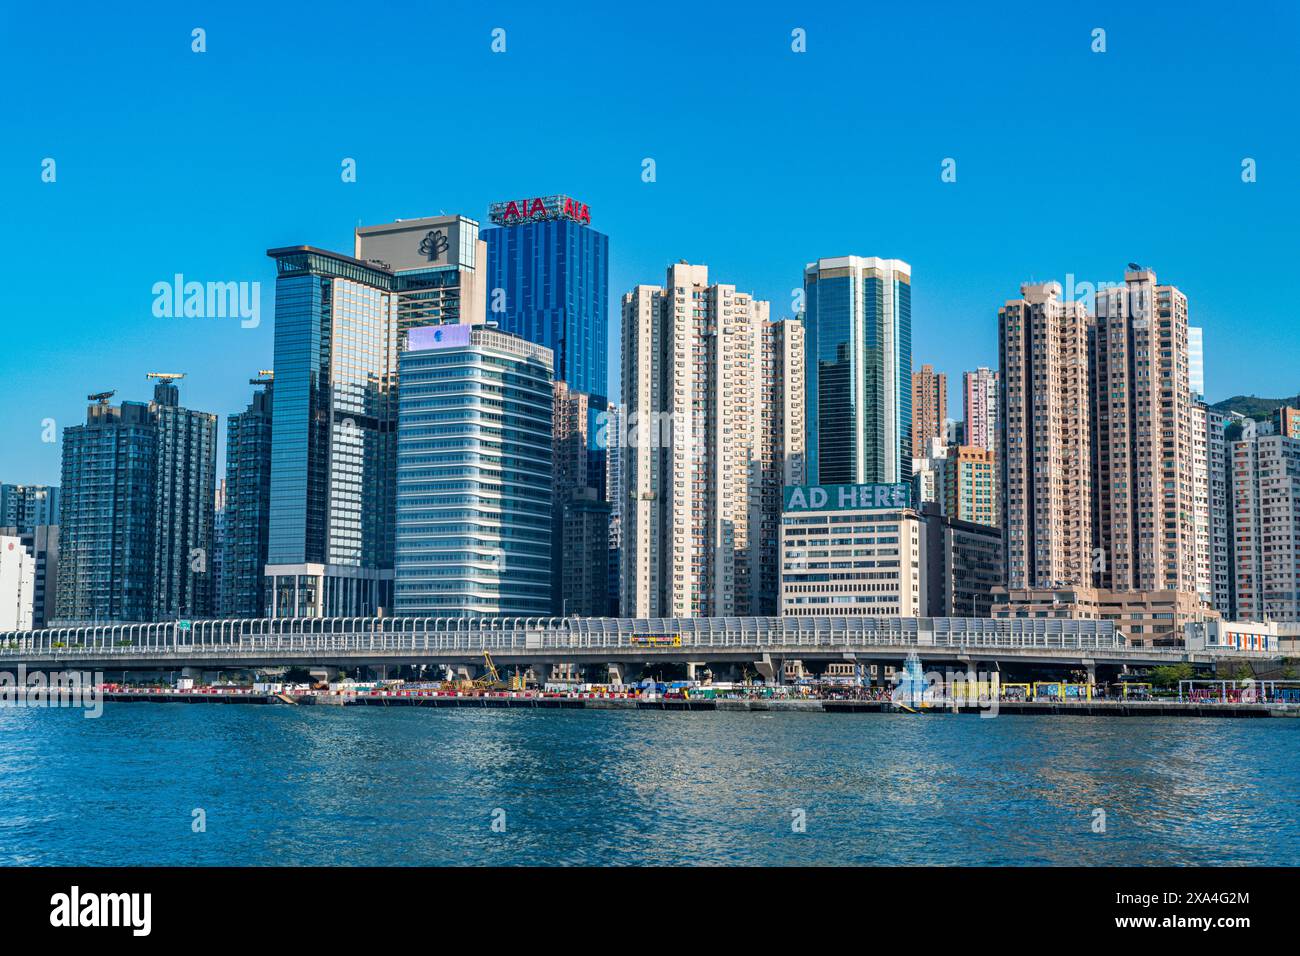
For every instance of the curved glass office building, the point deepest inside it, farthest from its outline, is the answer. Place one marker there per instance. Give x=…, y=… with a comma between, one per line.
x=474, y=471
x=858, y=370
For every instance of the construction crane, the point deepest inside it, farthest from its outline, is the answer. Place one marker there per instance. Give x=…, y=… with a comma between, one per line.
x=264, y=377
x=165, y=376
x=101, y=397
x=491, y=680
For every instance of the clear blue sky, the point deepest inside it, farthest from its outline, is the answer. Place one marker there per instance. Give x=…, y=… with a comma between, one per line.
x=1067, y=161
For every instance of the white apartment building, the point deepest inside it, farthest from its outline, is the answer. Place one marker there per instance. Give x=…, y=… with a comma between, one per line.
x=713, y=400
x=1266, y=527
x=17, y=584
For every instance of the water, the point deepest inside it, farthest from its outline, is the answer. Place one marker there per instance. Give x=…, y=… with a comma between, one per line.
x=318, y=785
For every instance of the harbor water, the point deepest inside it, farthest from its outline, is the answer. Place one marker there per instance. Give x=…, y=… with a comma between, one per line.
x=170, y=784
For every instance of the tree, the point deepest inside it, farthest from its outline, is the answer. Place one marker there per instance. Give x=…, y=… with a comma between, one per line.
x=1168, y=675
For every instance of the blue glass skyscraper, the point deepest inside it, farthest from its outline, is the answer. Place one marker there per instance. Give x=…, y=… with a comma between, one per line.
x=548, y=282
x=858, y=373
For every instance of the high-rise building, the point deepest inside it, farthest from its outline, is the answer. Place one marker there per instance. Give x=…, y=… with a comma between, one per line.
x=548, y=276
x=929, y=473
x=613, y=431
x=580, y=532
x=980, y=404
x=437, y=268
x=1286, y=421
x=1266, y=526
x=779, y=444
x=248, y=504
x=1044, y=440
x=858, y=333
x=474, y=475
x=1143, y=473
x=136, y=527
x=970, y=486
x=1196, y=362
x=219, y=547
x=339, y=322
x=17, y=584
x=333, y=455
x=185, y=492
x=27, y=506
x=929, y=407
x=1220, y=518
x=42, y=542
x=695, y=398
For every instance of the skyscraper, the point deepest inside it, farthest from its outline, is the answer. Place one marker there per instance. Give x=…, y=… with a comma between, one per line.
x=929, y=407
x=185, y=486
x=27, y=506
x=474, y=473
x=1142, y=437
x=694, y=394
x=780, y=445
x=339, y=322
x=548, y=276
x=580, y=533
x=858, y=331
x=1266, y=526
x=980, y=404
x=248, y=504
x=136, y=529
x=1045, y=441
x=1217, y=452
x=333, y=454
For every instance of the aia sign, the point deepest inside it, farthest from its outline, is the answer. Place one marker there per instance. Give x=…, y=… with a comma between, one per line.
x=542, y=207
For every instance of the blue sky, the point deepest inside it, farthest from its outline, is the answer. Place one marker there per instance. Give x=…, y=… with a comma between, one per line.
x=1068, y=161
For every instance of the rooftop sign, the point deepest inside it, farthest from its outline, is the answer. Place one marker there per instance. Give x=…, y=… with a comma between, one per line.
x=517, y=211
x=437, y=337
x=847, y=497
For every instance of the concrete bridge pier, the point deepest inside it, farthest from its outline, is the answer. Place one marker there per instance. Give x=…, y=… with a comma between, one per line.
x=766, y=669
x=617, y=673
x=693, y=668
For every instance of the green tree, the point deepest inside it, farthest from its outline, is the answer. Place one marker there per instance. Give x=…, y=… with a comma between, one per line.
x=1168, y=675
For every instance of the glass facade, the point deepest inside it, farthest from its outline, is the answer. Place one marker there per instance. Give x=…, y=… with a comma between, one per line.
x=858, y=374
x=548, y=283
x=474, y=477
x=247, y=508
x=333, y=456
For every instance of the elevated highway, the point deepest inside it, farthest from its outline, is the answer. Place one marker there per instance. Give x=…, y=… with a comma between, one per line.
x=350, y=642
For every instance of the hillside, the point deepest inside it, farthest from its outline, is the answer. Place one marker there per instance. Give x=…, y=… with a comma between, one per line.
x=1252, y=406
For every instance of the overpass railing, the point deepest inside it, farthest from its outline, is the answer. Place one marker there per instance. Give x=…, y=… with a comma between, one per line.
x=254, y=636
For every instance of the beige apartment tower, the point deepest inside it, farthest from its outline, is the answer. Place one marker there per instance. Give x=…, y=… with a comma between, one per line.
x=1045, y=444
x=929, y=407
x=1144, y=474
x=713, y=398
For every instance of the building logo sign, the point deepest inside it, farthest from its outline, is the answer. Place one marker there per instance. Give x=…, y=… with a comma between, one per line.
x=847, y=497
x=434, y=244
x=538, y=209
x=437, y=337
